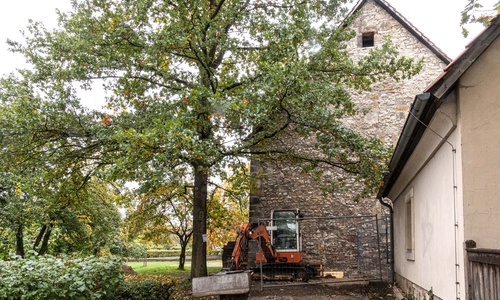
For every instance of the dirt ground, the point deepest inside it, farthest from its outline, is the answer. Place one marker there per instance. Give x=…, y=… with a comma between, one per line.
x=346, y=291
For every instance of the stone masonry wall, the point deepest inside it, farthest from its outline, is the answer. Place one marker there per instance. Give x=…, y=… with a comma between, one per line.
x=389, y=100
x=285, y=187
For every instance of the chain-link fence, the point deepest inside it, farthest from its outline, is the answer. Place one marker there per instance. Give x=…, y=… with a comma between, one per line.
x=322, y=250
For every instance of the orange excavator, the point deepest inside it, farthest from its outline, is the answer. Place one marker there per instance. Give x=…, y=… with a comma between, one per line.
x=273, y=264
x=277, y=256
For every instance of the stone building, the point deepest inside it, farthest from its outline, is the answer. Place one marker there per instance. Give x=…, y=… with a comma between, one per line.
x=384, y=110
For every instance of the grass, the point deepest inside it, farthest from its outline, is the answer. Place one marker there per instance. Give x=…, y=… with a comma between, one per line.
x=170, y=268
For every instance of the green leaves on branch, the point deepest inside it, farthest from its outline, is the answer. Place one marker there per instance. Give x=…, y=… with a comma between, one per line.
x=49, y=165
x=475, y=12
x=202, y=83
x=196, y=88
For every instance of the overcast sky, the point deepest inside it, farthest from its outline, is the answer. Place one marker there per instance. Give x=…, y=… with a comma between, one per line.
x=437, y=19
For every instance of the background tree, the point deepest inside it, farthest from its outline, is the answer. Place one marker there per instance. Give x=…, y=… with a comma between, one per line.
x=228, y=208
x=48, y=185
x=194, y=88
x=163, y=211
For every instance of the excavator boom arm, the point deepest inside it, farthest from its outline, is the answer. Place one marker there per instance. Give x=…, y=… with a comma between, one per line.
x=246, y=233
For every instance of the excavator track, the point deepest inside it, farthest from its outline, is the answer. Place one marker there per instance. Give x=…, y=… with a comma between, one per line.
x=278, y=271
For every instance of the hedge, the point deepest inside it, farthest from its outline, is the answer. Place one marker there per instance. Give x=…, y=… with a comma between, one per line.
x=147, y=287
x=166, y=253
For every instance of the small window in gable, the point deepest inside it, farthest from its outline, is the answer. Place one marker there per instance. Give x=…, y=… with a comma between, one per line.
x=368, y=39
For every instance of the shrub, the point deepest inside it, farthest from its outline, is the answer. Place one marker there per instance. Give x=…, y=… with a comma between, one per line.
x=48, y=277
x=145, y=287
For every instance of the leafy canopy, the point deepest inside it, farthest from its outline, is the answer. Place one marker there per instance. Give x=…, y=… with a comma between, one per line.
x=195, y=88
x=202, y=82
x=475, y=12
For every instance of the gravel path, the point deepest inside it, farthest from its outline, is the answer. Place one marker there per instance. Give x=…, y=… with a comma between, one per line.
x=358, y=291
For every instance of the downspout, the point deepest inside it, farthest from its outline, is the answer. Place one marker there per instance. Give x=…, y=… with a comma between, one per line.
x=391, y=226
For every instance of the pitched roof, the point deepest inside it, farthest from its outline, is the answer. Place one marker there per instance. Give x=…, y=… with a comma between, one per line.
x=425, y=105
x=406, y=24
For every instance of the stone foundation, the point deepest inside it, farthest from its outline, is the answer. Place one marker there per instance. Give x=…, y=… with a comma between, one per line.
x=410, y=288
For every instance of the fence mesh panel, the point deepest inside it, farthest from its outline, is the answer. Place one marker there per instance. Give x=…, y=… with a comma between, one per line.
x=368, y=249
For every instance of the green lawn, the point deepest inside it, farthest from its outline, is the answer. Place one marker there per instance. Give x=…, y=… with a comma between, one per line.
x=170, y=268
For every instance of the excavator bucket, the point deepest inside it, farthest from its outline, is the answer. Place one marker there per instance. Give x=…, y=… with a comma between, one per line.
x=231, y=284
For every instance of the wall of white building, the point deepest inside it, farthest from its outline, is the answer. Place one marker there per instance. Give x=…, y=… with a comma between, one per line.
x=480, y=116
x=436, y=207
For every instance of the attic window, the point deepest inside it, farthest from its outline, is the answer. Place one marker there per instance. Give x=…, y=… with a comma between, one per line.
x=367, y=39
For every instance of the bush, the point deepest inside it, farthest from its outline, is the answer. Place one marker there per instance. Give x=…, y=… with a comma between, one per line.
x=47, y=277
x=145, y=287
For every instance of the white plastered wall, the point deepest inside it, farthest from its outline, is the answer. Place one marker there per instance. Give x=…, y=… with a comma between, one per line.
x=437, y=206
x=480, y=116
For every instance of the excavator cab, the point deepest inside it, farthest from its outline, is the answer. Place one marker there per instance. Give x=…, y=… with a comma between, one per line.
x=285, y=236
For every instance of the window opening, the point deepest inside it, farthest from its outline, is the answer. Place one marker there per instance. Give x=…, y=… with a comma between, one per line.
x=368, y=39
x=410, y=226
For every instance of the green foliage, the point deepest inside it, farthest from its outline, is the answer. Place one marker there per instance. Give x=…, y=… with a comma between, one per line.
x=430, y=293
x=83, y=222
x=160, y=213
x=48, y=188
x=228, y=208
x=144, y=287
x=128, y=249
x=193, y=90
x=47, y=277
x=475, y=12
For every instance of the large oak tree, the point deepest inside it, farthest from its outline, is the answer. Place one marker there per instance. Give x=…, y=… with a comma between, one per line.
x=193, y=88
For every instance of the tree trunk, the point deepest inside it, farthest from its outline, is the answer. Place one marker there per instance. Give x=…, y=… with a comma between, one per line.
x=39, y=237
x=19, y=241
x=45, y=241
x=199, y=256
x=182, y=256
